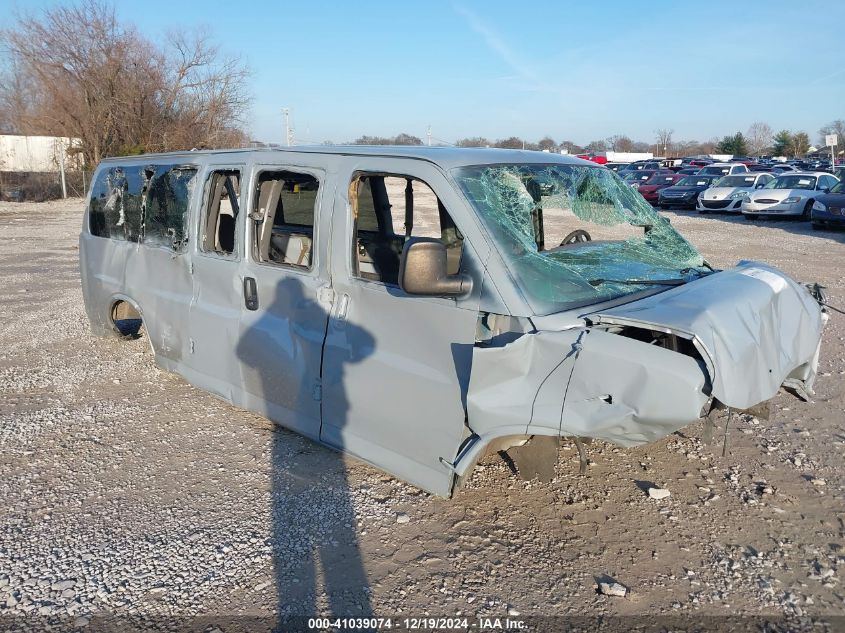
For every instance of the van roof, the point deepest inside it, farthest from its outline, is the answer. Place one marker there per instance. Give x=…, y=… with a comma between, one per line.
x=446, y=157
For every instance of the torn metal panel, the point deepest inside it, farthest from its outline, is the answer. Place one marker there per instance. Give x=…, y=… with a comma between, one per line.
x=506, y=382
x=753, y=325
x=628, y=392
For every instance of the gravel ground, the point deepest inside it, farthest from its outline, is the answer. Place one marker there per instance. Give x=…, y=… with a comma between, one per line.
x=125, y=491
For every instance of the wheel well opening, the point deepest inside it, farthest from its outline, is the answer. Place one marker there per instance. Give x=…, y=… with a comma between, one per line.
x=126, y=319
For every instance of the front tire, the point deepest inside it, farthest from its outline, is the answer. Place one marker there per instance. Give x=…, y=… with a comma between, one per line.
x=808, y=210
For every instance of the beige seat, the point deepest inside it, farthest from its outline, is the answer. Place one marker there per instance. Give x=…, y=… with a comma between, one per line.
x=290, y=248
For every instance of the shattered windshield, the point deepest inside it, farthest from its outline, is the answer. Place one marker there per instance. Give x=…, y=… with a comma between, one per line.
x=574, y=235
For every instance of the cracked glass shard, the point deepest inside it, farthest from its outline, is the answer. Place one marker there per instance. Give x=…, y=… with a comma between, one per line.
x=561, y=227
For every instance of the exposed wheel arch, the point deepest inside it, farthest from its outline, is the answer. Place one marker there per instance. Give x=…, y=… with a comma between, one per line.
x=125, y=317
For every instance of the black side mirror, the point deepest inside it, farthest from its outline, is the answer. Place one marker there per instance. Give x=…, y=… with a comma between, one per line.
x=423, y=271
x=825, y=189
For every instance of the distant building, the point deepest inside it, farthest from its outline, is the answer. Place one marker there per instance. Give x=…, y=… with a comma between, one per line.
x=38, y=153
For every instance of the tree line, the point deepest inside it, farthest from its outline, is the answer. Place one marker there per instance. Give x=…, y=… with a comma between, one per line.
x=77, y=71
x=759, y=140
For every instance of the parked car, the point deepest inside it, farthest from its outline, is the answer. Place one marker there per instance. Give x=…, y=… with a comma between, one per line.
x=616, y=166
x=684, y=193
x=698, y=162
x=782, y=167
x=839, y=172
x=790, y=194
x=829, y=208
x=642, y=165
x=722, y=169
x=281, y=281
x=758, y=167
x=636, y=178
x=650, y=188
x=689, y=171
x=727, y=193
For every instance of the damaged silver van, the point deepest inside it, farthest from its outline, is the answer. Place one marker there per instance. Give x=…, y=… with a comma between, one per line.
x=418, y=306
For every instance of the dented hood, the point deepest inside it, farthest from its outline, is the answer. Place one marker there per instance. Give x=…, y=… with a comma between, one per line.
x=753, y=326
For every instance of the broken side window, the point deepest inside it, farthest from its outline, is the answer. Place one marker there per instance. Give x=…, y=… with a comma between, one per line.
x=116, y=203
x=285, y=210
x=390, y=208
x=221, y=212
x=166, y=210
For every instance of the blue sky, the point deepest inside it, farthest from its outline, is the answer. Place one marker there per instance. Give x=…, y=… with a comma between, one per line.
x=576, y=71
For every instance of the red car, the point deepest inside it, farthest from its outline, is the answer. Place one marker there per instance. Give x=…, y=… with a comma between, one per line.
x=653, y=185
x=700, y=162
x=601, y=160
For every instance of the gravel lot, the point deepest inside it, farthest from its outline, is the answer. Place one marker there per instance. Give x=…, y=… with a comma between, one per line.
x=125, y=491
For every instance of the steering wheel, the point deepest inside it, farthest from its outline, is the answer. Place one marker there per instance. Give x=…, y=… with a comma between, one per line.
x=576, y=237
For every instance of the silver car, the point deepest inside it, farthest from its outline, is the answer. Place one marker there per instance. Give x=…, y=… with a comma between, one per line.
x=722, y=169
x=790, y=194
x=727, y=193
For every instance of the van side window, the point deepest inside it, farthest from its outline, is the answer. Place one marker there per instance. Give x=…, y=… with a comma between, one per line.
x=166, y=212
x=221, y=212
x=387, y=210
x=116, y=203
x=284, y=229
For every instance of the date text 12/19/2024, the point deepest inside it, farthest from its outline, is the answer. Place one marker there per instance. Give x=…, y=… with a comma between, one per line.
x=417, y=624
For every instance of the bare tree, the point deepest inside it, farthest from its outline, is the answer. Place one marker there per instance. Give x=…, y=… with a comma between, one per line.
x=759, y=138
x=512, y=142
x=620, y=143
x=90, y=77
x=834, y=127
x=399, y=139
x=664, y=140
x=475, y=141
x=800, y=143
x=596, y=146
x=571, y=147
x=547, y=143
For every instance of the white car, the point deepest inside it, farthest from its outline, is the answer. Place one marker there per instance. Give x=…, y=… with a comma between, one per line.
x=722, y=169
x=728, y=192
x=789, y=194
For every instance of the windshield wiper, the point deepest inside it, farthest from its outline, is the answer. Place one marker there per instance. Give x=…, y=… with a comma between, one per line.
x=638, y=282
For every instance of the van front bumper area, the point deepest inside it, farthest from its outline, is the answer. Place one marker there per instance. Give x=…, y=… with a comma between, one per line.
x=641, y=371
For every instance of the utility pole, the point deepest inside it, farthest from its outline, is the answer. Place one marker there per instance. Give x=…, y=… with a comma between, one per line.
x=62, y=166
x=286, y=112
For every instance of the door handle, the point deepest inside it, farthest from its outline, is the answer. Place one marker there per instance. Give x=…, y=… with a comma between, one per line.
x=342, y=307
x=250, y=293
